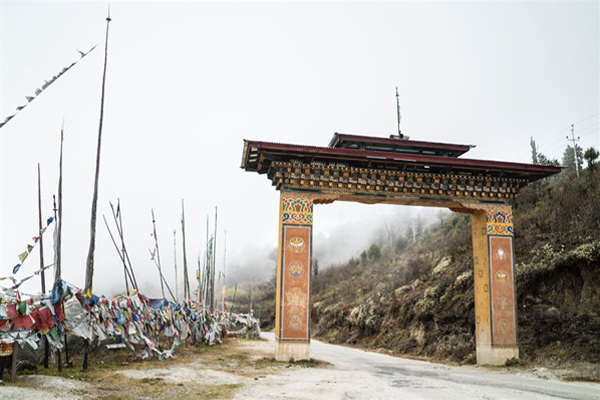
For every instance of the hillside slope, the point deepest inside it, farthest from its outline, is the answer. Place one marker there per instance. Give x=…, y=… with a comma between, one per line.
x=417, y=298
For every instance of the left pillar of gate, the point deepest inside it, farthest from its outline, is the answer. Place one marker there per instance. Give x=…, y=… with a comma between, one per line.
x=292, y=315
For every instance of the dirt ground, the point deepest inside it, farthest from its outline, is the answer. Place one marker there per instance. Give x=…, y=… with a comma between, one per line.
x=244, y=369
x=220, y=372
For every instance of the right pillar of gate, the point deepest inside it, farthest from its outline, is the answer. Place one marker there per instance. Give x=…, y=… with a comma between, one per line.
x=495, y=298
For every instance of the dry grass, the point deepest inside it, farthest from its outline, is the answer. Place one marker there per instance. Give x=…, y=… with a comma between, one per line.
x=107, y=377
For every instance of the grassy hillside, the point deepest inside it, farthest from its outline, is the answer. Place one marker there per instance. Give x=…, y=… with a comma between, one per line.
x=417, y=298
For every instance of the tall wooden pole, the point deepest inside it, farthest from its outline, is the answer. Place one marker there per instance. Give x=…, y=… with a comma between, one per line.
x=224, y=276
x=89, y=272
x=117, y=216
x=42, y=273
x=186, y=281
x=175, y=264
x=206, y=269
x=123, y=249
x=121, y=255
x=157, y=255
x=214, y=264
x=58, y=222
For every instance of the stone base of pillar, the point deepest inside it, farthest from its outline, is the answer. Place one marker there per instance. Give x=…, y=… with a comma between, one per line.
x=488, y=355
x=292, y=351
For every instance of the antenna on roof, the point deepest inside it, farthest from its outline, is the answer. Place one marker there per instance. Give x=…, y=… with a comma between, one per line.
x=400, y=135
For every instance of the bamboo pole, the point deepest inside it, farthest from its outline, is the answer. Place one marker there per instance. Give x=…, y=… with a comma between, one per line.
x=186, y=282
x=224, y=264
x=58, y=221
x=89, y=273
x=121, y=256
x=157, y=255
x=117, y=216
x=175, y=263
x=206, y=268
x=42, y=273
x=214, y=263
x=162, y=277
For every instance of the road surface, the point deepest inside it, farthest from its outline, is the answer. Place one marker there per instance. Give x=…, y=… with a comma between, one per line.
x=358, y=374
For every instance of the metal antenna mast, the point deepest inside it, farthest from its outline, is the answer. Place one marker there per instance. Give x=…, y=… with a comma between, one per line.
x=400, y=136
x=574, y=147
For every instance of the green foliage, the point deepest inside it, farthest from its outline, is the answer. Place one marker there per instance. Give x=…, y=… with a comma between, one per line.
x=591, y=155
x=400, y=244
x=568, y=160
x=374, y=252
x=543, y=160
x=561, y=211
x=363, y=257
x=546, y=260
x=534, y=151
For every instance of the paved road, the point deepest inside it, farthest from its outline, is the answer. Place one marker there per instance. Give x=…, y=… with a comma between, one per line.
x=401, y=378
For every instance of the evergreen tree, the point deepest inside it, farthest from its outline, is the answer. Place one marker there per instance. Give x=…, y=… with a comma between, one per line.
x=591, y=155
x=534, y=151
x=568, y=160
x=543, y=160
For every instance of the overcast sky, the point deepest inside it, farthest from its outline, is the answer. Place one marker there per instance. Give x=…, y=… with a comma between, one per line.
x=187, y=82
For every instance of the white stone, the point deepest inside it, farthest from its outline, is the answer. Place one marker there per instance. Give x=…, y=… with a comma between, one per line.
x=292, y=351
x=489, y=355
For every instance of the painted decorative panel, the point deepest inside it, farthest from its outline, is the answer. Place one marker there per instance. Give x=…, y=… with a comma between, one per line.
x=504, y=331
x=498, y=217
x=295, y=282
x=296, y=208
x=499, y=222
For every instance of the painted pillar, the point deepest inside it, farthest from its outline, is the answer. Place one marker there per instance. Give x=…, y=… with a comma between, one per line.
x=292, y=315
x=495, y=300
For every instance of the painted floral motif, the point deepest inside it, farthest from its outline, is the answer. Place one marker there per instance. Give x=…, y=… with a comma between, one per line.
x=295, y=218
x=295, y=322
x=501, y=254
x=296, y=269
x=296, y=209
x=502, y=302
x=297, y=245
x=501, y=276
x=499, y=218
x=295, y=297
x=499, y=222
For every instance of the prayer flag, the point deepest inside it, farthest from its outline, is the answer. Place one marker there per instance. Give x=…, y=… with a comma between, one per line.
x=16, y=268
x=23, y=256
x=29, y=248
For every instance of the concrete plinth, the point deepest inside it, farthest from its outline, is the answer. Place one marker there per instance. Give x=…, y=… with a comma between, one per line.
x=292, y=351
x=488, y=355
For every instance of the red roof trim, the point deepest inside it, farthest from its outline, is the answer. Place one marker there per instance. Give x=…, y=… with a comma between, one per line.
x=515, y=167
x=337, y=137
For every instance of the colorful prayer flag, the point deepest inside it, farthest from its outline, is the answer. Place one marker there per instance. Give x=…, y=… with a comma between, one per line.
x=16, y=268
x=23, y=256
